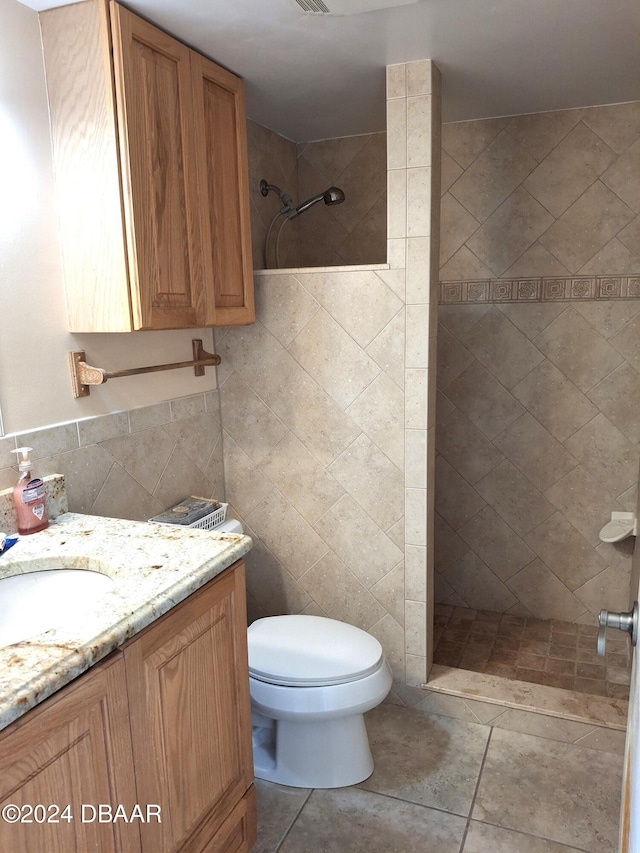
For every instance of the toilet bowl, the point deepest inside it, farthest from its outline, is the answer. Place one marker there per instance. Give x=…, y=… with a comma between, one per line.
x=311, y=680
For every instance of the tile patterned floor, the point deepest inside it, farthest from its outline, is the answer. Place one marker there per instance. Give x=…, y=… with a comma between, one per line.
x=449, y=786
x=556, y=654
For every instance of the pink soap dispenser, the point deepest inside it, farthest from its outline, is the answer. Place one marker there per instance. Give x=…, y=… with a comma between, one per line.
x=28, y=497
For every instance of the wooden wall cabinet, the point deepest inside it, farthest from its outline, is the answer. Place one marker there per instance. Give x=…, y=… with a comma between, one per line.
x=164, y=721
x=150, y=161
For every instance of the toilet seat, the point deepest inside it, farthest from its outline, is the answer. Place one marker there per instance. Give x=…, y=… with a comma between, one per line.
x=310, y=651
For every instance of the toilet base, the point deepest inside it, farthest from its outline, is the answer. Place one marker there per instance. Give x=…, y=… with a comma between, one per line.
x=318, y=754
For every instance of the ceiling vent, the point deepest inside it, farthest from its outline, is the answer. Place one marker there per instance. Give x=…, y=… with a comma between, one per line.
x=349, y=7
x=314, y=6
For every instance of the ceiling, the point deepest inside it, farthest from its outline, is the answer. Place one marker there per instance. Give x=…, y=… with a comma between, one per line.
x=313, y=76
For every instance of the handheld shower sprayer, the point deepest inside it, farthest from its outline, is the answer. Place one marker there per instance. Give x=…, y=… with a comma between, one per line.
x=333, y=195
x=330, y=196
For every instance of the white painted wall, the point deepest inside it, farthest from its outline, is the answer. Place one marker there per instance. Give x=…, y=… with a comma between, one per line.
x=35, y=390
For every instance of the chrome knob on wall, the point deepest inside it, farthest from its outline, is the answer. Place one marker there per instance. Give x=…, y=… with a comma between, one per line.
x=623, y=621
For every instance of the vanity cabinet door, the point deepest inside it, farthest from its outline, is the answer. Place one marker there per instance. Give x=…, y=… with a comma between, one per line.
x=72, y=750
x=188, y=686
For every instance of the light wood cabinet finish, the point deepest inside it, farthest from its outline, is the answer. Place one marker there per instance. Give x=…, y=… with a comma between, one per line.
x=74, y=749
x=149, y=145
x=164, y=721
x=155, y=124
x=183, y=673
x=221, y=137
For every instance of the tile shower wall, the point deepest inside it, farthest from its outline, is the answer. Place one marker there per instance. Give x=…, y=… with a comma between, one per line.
x=325, y=406
x=550, y=194
x=130, y=464
x=538, y=437
x=273, y=158
x=354, y=232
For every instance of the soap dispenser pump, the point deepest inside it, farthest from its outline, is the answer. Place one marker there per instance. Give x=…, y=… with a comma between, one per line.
x=28, y=497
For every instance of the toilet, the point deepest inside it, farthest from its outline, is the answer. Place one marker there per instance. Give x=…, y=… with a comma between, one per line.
x=311, y=680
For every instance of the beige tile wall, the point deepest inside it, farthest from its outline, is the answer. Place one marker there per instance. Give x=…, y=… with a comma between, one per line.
x=545, y=195
x=538, y=437
x=538, y=442
x=549, y=194
x=273, y=158
x=325, y=409
x=130, y=464
x=353, y=232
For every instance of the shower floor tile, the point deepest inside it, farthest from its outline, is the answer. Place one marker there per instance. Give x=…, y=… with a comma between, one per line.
x=553, y=653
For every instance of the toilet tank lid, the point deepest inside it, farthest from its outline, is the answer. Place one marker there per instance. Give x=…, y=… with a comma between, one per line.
x=310, y=650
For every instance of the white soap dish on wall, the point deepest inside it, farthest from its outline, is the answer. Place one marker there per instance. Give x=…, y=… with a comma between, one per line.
x=622, y=525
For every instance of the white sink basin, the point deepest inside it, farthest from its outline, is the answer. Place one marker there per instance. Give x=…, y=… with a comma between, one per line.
x=35, y=602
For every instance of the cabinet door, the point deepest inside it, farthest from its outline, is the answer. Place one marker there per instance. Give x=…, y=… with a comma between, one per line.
x=160, y=184
x=74, y=749
x=76, y=42
x=188, y=690
x=221, y=138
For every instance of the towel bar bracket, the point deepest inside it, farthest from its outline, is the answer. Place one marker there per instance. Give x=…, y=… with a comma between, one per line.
x=83, y=375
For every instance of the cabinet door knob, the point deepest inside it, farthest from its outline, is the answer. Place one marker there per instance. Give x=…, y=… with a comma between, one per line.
x=623, y=621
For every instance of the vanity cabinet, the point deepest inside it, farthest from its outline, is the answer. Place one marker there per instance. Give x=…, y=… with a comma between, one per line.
x=150, y=162
x=188, y=686
x=164, y=721
x=71, y=752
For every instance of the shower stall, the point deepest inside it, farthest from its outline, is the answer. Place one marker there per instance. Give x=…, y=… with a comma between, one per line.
x=538, y=373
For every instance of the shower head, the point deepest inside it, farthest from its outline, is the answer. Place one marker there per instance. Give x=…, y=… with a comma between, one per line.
x=331, y=196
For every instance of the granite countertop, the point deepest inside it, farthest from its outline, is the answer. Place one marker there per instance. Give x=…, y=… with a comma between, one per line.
x=154, y=566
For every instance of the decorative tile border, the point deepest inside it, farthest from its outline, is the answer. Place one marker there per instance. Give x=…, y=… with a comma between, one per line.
x=540, y=289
